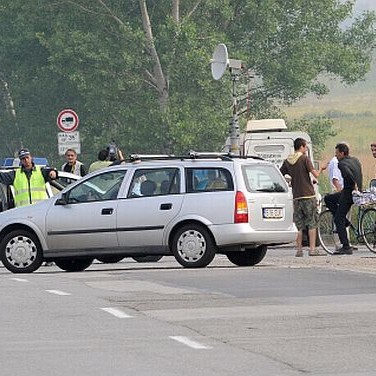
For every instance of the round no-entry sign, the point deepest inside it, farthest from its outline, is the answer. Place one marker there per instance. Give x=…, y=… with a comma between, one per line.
x=67, y=120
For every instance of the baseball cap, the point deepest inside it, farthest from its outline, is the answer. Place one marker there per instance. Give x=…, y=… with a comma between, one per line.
x=23, y=153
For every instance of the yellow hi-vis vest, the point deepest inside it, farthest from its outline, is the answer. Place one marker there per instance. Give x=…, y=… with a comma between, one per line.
x=29, y=191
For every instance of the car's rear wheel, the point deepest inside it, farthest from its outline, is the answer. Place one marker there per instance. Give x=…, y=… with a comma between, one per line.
x=74, y=265
x=20, y=252
x=193, y=246
x=248, y=257
x=111, y=259
x=148, y=258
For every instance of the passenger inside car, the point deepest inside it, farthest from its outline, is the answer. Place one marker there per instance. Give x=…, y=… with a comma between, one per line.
x=148, y=188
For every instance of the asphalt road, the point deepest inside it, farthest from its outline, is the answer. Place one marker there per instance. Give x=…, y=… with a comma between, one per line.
x=286, y=316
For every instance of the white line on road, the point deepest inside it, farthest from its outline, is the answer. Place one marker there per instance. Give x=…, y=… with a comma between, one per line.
x=20, y=279
x=58, y=292
x=188, y=342
x=116, y=312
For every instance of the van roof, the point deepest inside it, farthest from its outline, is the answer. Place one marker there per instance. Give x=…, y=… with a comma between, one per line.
x=266, y=125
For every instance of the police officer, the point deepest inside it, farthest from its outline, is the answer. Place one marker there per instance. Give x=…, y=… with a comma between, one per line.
x=28, y=181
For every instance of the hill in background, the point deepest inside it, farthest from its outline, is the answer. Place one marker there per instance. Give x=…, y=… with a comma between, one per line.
x=353, y=110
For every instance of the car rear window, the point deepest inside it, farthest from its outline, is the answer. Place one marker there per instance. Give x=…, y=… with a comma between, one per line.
x=263, y=178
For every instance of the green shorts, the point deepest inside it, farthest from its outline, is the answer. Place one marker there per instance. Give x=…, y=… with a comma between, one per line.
x=305, y=213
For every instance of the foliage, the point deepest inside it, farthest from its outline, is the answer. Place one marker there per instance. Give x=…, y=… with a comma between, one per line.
x=150, y=88
x=319, y=129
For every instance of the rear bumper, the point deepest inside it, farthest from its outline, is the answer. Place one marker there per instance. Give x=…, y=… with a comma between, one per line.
x=242, y=234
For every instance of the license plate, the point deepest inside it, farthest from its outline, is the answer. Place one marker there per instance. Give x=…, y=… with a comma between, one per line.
x=272, y=213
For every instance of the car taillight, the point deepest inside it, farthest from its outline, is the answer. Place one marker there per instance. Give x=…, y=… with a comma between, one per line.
x=241, y=208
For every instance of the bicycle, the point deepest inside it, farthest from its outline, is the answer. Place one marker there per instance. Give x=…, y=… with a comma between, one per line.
x=364, y=230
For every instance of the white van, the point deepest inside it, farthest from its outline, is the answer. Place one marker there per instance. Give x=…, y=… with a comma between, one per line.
x=270, y=140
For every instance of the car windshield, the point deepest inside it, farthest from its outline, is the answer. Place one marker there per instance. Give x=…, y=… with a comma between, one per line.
x=263, y=178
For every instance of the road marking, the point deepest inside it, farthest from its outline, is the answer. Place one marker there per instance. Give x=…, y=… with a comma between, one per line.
x=20, y=279
x=116, y=312
x=190, y=343
x=138, y=285
x=58, y=292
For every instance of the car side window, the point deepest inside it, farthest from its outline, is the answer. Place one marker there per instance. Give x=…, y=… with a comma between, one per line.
x=155, y=182
x=98, y=188
x=208, y=180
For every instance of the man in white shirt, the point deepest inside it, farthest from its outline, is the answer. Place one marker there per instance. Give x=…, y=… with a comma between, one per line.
x=335, y=176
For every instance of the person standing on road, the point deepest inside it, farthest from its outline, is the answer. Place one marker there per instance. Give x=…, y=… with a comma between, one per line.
x=73, y=165
x=373, y=150
x=299, y=166
x=104, y=160
x=339, y=203
x=28, y=181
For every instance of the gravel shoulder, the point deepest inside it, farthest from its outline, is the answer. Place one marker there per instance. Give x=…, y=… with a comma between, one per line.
x=361, y=260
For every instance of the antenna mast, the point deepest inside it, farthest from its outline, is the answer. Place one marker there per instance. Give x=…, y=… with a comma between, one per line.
x=219, y=63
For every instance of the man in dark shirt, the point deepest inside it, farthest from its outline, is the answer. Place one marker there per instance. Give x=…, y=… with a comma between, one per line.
x=299, y=167
x=339, y=203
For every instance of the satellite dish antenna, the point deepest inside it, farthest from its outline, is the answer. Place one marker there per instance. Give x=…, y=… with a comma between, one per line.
x=219, y=62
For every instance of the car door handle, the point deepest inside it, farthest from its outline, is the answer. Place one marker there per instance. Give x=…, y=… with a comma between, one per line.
x=107, y=211
x=166, y=206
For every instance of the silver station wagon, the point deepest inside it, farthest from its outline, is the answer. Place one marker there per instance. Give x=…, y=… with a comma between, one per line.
x=191, y=207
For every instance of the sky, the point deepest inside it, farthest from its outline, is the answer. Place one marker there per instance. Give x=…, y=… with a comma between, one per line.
x=362, y=5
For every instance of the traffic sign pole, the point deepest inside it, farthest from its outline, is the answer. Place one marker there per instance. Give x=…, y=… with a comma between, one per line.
x=69, y=138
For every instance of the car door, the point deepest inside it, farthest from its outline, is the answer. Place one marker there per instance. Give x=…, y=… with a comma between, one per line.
x=87, y=219
x=151, y=203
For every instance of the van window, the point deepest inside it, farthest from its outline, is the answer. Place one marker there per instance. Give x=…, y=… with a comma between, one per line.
x=272, y=153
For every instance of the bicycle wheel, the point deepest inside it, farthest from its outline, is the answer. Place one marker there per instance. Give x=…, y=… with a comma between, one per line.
x=326, y=232
x=368, y=228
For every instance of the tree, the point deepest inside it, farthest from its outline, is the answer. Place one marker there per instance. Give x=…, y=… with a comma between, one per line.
x=138, y=71
x=319, y=129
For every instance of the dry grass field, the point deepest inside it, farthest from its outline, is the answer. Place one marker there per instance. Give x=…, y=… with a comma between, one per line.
x=353, y=110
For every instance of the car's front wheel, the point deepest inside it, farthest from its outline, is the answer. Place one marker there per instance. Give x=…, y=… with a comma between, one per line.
x=74, y=265
x=248, y=257
x=20, y=252
x=193, y=246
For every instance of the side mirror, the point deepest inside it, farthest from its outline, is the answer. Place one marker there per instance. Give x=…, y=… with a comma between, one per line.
x=63, y=200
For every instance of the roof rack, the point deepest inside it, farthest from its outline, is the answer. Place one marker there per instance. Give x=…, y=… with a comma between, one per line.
x=225, y=156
